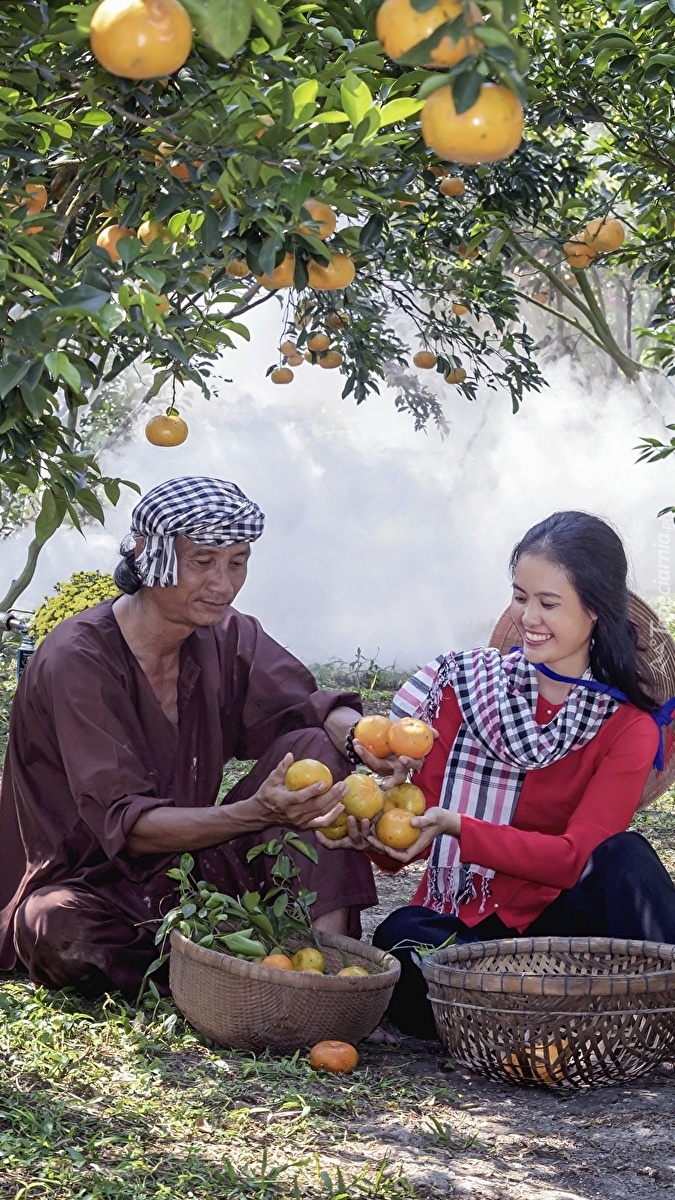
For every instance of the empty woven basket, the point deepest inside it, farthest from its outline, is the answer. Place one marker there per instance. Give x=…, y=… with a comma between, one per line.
x=252, y=1007
x=567, y=1012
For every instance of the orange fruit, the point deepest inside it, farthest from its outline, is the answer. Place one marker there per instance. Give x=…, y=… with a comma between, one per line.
x=110, y=236
x=295, y=360
x=604, y=234
x=373, y=733
x=355, y=972
x=464, y=251
x=339, y=1057
x=266, y=122
x=487, y=132
x=338, y=274
x=337, y=320
x=330, y=360
x=410, y=737
x=281, y=277
x=281, y=961
x=425, y=359
x=452, y=186
x=288, y=348
x=578, y=254
x=305, y=772
x=455, y=375
x=324, y=217
x=310, y=971
x=400, y=27
x=35, y=198
x=163, y=305
x=394, y=829
x=364, y=798
x=282, y=375
x=167, y=429
x=337, y=829
x=149, y=231
x=318, y=341
x=140, y=39
x=459, y=309
x=308, y=958
x=405, y=796
x=237, y=268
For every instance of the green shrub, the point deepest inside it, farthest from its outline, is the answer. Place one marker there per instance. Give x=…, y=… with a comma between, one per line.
x=83, y=590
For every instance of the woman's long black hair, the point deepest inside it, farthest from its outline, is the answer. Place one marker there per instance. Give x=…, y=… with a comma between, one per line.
x=592, y=556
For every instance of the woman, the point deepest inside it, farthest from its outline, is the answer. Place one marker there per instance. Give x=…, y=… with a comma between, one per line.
x=534, y=776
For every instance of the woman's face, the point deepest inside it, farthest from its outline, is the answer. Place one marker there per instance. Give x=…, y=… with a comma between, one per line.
x=554, y=625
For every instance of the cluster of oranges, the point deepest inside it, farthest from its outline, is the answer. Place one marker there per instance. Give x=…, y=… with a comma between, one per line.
x=365, y=799
x=601, y=236
x=426, y=360
x=492, y=128
x=318, y=350
x=309, y=960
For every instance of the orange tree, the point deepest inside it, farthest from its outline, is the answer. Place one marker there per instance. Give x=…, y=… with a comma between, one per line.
x=142, y=217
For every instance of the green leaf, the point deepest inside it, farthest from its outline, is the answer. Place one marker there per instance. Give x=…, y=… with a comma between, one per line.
x=466, y=90
x=268, y=20
x=91, y=504
x=356, y=98
x=331, y=117
x=304, y=99
x=431, y=84
x=224, y=24
x=11, y=373
x=399, y=110
x=49, y=518
x=60, y=367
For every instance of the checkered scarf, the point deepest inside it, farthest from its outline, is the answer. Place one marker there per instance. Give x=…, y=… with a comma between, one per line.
x=209, y=511
x=498, y=741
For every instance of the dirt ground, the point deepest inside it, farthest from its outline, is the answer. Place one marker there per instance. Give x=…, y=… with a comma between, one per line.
x=505, y=1142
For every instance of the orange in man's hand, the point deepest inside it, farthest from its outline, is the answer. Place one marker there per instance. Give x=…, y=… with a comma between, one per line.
x=395, y=830
x=305, y=772
x=410, y=737
x=364, y=798
x=373, y=733
x=407, y=797
x=339, y=1057
x=339, y=828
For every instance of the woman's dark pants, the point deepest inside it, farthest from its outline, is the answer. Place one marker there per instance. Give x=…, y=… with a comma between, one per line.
x=624, y=892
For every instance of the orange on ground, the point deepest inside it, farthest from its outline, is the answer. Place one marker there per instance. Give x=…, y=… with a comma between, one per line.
x=318, y=341
x=394, y=829
x=373, y=733
x=140, y=39
x=578, y=254
x=400, y=27
x=305, y=772
x=330, y=360
x=166, y=429
x=308, y=958
x=364, y=798
x=425, y=359
x=281, y=277
x=288, y=348
x=604, y=234
x=237, y=268
x=281, y=961
x=110, y=236
x=459, y=309
x=410, y=737
x=455, y=375
x=282, y=375
x=323, y=215
x=339, y=1057
x=149, y=231
x=406, y=796
x=339, y=828
x=452, y=186
x=356, y=972
x=487, y=132
x=338, y=274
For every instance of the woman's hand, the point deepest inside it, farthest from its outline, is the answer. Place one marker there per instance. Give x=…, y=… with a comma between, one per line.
x=396, y=769
x=357, y=836
x=432, y=823
x=308, y=808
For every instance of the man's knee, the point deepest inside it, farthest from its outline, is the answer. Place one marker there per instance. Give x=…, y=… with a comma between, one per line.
x=43, y=919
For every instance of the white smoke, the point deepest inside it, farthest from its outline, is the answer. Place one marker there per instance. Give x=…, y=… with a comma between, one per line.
x=379, y=537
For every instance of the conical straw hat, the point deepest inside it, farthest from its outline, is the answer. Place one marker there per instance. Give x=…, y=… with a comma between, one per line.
x=657, y=660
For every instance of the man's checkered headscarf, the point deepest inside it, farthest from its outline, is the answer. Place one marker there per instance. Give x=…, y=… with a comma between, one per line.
x=209, y=511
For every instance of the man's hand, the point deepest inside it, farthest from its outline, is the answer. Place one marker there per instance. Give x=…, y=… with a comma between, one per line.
x=432, y=823
x=309, y=808
x=357, y=836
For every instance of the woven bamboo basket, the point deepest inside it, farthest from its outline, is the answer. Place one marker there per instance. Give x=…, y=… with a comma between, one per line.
x=565, y=1012
x=251, y=1007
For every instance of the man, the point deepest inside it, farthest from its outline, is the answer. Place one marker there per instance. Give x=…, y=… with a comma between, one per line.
x=121, y=725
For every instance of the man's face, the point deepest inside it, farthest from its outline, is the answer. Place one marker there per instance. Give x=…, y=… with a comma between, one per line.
x=209, y=578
